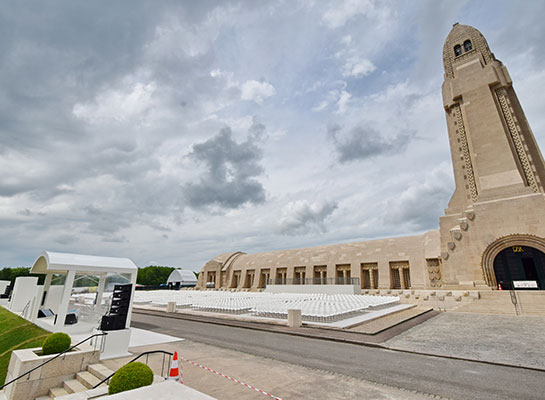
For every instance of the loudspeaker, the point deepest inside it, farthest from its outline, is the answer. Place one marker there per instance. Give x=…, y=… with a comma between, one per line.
x=107, y=323
x=71, y=319
x=117, y=317
x=113, y=322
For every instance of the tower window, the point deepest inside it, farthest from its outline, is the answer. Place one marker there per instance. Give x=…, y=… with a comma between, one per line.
x=457, y=50
x=467, y=45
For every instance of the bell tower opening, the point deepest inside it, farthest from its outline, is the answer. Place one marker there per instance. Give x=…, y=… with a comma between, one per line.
x=520, y=267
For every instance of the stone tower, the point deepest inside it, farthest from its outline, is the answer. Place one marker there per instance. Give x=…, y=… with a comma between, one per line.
x=498, y=169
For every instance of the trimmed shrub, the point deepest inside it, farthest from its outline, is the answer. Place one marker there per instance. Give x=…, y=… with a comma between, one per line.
x=56, y=343
x=129, y=377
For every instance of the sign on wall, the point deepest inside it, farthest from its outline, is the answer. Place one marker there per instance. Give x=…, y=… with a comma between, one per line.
x=525, y=284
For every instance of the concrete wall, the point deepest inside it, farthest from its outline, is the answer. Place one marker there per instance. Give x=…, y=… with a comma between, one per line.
x=327, y=289
x=24, y=290
x=53, y=299
x=3, y=286
x=51, y=375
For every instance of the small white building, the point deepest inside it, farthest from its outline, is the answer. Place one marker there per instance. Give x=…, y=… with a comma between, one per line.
x=181, y=278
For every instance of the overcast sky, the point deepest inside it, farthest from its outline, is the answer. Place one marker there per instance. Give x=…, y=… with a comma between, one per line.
x=171, y=132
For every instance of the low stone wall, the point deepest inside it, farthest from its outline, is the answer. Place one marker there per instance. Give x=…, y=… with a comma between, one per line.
x=438, y=299
x=38, y=382
x=327, y=289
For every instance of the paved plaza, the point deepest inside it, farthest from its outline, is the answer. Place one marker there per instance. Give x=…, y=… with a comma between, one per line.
x=281, y=379
x=514, y=340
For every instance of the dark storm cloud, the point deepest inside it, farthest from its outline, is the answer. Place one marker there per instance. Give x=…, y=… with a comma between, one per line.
x=231, y=169
x=363, y=143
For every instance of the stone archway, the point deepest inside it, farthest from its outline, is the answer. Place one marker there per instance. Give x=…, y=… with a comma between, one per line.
x=502, y=243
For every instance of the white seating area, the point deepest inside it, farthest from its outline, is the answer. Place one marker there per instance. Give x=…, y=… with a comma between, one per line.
x=314, y=307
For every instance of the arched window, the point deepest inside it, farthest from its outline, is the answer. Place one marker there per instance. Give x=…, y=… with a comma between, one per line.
x=467, y=45
x=457, y=50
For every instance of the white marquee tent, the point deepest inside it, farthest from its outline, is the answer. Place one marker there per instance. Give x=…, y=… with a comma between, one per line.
x=182, y=278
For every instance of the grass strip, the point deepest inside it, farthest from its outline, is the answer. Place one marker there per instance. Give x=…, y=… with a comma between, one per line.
x=16, y=333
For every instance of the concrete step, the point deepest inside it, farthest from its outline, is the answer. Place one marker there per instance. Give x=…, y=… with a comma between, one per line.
x=43, y=398
x=57, y=392
x=73, y=386
x=100, y=371
x=499, y=302
x=87, y=379
x=88, y=394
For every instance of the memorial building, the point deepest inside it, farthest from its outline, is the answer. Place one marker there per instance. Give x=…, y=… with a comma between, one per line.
x=493, y=231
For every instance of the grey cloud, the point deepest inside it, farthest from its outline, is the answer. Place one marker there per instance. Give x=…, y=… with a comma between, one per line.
x=523, y=34
x=26, y=212
x=420, y=205
x=66, y=239
x=302, y=217
x=114, y=239
x=363, y=143
x=231, y=170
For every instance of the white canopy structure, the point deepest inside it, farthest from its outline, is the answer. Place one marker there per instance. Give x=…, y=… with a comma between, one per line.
x=50, y=263
x=180, y=277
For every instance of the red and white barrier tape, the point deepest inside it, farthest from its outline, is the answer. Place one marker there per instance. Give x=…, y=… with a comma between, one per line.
x=228, y=377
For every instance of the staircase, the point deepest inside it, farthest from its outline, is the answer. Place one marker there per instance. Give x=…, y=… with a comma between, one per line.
x=82, y=382
x=499, y=302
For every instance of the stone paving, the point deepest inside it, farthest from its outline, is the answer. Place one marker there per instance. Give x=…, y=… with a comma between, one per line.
x=285, y=380
x=515, y=340
x=387, y=321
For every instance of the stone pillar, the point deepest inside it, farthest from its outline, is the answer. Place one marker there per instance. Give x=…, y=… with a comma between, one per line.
x=371, y=278
x=402, y=282
x=294, y=318
x=384, y=275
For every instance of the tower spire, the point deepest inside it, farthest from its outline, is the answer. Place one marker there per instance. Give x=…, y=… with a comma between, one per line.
x=494, y=152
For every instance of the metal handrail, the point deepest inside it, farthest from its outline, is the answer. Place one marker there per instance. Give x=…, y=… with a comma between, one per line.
x=147, y=353
x=51, y=359
x=25, y=308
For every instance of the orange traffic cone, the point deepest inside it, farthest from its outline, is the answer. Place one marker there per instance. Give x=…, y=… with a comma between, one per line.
x=499, y=286
x=174, y=374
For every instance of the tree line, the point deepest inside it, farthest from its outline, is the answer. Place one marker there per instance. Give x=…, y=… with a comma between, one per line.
x=150, y=275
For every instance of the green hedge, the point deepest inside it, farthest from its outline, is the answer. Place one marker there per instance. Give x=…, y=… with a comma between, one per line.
x=129, y=377
x=56, y=343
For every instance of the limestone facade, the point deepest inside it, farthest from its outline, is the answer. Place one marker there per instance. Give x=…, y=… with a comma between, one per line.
x=499, y=171
x=498, y=203
x=395, y=263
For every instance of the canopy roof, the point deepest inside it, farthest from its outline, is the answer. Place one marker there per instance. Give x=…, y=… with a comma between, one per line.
x=58, y=263
x=179, y=275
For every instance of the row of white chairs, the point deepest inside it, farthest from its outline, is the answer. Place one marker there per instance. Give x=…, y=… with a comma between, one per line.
x=314, y=306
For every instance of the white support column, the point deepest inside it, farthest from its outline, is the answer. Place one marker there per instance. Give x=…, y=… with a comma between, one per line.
x=65, y=300
x=100, y=291
x=47, y=284
x=34, y=307
x=129, y=315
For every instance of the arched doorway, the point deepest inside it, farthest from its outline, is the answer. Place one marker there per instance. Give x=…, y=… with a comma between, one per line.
x=520, y=267
x=508, y=243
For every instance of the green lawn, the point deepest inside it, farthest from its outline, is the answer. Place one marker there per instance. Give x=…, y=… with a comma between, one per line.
x=16, y=333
